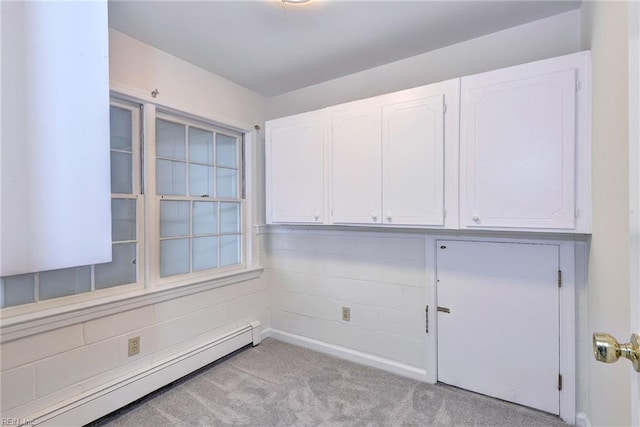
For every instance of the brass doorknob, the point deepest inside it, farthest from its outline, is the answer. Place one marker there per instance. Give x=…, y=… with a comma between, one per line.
x=607, y=349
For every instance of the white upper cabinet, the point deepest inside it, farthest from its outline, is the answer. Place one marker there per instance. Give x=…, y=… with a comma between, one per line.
x=503, y=150
x=519, y=147
x=413, y=162
x=356, y=165
x=295, y=169
x=388, y=158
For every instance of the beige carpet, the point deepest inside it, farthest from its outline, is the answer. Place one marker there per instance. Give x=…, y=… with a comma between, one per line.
x=277, y=384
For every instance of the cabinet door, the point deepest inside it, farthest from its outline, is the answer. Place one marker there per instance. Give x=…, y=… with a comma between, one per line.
x=413, y=162
x=517, y=149
x=356, y=167
x=295, y=174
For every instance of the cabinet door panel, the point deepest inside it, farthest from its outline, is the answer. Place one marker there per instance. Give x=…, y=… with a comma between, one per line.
x=357, y=167
x=413, y=162
x=295, y=172
x=518, y=150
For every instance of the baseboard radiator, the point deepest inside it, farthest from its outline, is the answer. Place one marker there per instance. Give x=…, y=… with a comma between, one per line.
x=98, y=402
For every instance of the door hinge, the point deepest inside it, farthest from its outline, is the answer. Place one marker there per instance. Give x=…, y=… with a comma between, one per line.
x=444, y=213
x=426, y=316
x=577, y=212
x=578, y=86
x=559, y=278
x=445, y=109
x=559, y=382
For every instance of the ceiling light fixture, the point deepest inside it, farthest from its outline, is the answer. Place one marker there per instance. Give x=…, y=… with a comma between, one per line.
x=296, y=1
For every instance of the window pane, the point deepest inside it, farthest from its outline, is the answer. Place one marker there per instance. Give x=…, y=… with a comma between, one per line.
x=121, y=173
x=226, y=151
x=123, y=219
x=67, y=281
x=205, y=218
x=229, y=250
x=200, y=146
x=170, y=140
x=230, y=218
x=205, y=253
x=200, y=180
x=120, y=126
x=121, y=270
x=226, y=183
x=174, y=218
x=171, y=178
x=174, y=257
x=16, y=290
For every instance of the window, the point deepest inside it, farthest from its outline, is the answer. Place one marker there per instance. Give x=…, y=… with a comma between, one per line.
x=125, y=192
x=125, y=189
x=188, y=228
x=198, y=182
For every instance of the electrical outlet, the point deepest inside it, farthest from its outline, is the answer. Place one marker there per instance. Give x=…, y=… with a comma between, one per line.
x=346, y=314
x=134, y=346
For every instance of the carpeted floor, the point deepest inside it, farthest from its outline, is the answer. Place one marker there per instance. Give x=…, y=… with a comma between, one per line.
x=277, y=384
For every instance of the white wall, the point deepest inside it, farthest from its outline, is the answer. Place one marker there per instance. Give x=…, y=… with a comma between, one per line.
x=554, y=36
x=42, y=370
x=605, y=33
x=634, y=189
x=136, y=65
x=381, y=277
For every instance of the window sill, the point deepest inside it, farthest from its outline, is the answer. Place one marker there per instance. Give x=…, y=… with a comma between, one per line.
x=35, y=322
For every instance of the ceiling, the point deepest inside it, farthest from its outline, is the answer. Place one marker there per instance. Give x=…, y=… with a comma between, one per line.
x=273, y=48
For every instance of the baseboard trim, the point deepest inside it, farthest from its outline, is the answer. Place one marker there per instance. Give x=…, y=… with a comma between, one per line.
x=348, y=354
x=100, y=401
x=582, y=420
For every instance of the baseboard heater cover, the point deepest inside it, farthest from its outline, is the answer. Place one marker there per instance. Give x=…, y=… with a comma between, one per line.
x=98, y=402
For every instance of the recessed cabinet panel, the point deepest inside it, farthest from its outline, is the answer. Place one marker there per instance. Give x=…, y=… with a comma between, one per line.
x=295, y=170
x=518, y=150
x=356, y=167
x=413, y=162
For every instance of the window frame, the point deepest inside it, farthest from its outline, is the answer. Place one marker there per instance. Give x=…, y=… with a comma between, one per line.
x=29, y=318
x=137, y=194
x=152, y=113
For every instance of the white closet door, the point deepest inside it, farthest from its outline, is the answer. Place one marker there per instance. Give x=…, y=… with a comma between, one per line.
x=356, y=167
x=413, y=162
x=295, y=169
x=517, y=149
x=501, y=334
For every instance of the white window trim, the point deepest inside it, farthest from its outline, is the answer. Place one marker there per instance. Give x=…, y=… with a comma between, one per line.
x=137, y=193
x=152, y=204
x=29, y=319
